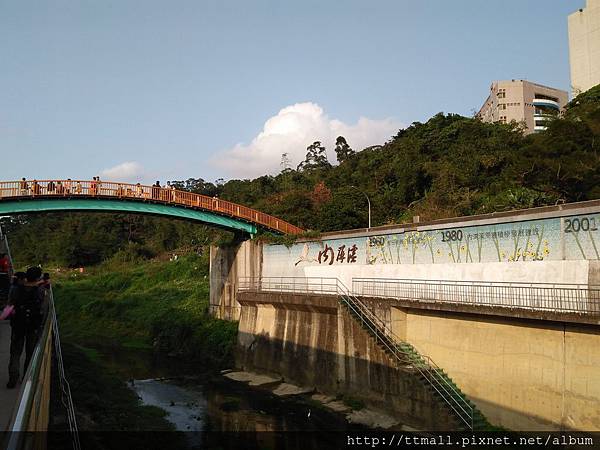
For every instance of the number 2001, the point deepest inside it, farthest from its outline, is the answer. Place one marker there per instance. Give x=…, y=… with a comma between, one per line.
x=576, y=225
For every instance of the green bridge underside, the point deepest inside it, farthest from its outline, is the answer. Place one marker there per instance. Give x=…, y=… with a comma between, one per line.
x=124, y=206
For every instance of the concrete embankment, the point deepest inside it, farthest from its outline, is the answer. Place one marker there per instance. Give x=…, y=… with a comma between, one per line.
x=310, y=341
x=275, y=385
x=522, y=373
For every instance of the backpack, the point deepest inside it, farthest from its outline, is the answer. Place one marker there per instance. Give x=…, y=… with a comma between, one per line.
x=28, y=307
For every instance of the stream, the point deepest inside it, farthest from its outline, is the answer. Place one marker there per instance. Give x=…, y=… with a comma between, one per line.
x=218, y=413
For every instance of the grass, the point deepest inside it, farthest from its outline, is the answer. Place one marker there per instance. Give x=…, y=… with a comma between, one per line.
x=153, y=304
x=105, y=405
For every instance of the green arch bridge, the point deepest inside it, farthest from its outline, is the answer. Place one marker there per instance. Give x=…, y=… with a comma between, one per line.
x=28, y=196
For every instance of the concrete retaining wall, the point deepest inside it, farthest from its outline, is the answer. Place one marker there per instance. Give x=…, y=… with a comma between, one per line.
x=227, y=266
x=311, y=341
x=523, y=374
x=560, y=272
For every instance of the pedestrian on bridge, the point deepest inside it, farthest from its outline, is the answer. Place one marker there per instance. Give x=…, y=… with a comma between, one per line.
x=26, y=322
x=156, y=191
x=35, y=188
x=24, y=186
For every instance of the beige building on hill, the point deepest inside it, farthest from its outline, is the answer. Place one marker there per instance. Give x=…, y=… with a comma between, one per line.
x=584, y=47
x=522, y=101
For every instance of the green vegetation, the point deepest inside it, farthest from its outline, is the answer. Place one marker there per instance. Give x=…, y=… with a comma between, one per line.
x=152, y=304
x=64, y=239
x=105, y=403
x=449, y=166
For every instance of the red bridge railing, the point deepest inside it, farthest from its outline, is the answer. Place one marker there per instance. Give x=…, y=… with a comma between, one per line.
x=16, y=190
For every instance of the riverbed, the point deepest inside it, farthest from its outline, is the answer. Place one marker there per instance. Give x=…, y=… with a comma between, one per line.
x=217, y=413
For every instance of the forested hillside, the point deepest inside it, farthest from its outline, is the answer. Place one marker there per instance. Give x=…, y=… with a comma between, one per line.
x=449, y=166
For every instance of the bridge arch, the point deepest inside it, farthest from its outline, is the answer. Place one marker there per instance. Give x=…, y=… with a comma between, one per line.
x=18, y=197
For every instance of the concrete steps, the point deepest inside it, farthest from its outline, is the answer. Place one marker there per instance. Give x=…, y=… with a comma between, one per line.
x=437, y=381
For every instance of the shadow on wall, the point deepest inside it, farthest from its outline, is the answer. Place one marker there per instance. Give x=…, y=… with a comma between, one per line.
x=379, y=385
x=382, y=386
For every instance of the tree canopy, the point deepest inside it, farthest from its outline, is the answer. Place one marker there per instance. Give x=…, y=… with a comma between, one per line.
x=448, y=166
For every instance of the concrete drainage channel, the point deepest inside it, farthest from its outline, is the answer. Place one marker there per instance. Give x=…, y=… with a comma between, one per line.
x=278, y=387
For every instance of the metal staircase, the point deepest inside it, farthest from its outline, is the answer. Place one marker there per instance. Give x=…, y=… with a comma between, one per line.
x=408, y=358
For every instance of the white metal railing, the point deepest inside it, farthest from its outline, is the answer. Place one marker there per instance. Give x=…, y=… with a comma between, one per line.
x=553, y=297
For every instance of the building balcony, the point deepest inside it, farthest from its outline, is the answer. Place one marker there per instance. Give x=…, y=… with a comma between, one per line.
x=544, y=102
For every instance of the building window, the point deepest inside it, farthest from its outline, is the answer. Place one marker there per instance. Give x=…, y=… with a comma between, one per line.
x=501, y=94
x=501, y=106
x=545, y=97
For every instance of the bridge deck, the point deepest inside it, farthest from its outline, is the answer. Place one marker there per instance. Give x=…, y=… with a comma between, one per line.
x=8, y=397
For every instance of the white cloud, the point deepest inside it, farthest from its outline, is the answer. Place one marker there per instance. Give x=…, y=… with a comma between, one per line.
x=127, y=171
x=293, y=129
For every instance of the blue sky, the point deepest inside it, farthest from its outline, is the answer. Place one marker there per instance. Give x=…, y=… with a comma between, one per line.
x=170, y=90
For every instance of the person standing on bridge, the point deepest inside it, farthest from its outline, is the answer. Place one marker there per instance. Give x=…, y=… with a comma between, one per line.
x=26, y=322
x=50, y=187
x=23, y=186
x=171, y=191
x=156, y=191
x=35, y=188
x=93, y=187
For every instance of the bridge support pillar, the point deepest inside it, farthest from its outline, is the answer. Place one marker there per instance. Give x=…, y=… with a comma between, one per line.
x=228, y=264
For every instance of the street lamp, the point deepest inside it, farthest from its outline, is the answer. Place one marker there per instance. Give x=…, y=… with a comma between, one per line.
x=368, y=203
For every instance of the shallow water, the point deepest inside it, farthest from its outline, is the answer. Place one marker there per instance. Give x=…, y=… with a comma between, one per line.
x=216, y=413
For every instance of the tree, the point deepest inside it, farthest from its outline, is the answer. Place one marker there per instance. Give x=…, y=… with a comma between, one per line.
x=342, y=149
x=316, y=158
x=321, y=194
x=199, y=186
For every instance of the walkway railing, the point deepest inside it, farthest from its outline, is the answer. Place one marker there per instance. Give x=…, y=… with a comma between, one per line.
x=107, y=189
x=378, y=328
x=65, y=388
x=29, y=423
x=558, y=298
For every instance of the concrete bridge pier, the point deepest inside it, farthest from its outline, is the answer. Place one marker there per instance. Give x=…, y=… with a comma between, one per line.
x=228, y=264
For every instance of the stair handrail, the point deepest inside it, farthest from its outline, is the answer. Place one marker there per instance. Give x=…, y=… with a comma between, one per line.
x=432, y=375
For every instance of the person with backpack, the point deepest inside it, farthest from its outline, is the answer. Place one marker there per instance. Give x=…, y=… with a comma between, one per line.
x=26, y=322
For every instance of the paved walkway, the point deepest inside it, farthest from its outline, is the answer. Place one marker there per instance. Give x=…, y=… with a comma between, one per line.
x=7, y=396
